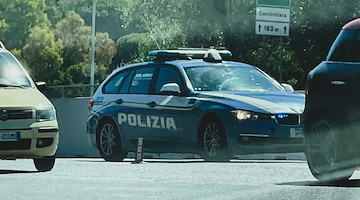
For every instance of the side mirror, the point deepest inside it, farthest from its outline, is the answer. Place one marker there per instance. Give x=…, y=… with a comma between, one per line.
x=288, y=88
x=41, y=86
x=170, y=88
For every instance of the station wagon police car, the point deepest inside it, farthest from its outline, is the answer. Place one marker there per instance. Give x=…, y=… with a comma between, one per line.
x=193, y=101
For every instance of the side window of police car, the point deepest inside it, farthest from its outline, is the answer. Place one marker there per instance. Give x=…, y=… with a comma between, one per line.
x=140, y=83
x=113, y=85
x=167, y=75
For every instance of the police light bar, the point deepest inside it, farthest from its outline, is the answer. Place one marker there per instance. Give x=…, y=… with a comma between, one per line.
x=186, y=54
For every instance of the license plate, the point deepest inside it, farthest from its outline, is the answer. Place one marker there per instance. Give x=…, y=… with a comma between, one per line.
x=296, y=133
x=9, y=136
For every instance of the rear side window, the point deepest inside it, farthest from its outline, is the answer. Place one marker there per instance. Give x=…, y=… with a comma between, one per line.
x=346, y=47
x=113, y=86
x=140, y=83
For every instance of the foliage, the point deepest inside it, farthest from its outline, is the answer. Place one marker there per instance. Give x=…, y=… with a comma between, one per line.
x=21, y=16
x=42, y=53
x=52, y=37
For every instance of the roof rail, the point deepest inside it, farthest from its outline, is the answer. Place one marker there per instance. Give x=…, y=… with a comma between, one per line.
x=190, y=53
x=2, y=45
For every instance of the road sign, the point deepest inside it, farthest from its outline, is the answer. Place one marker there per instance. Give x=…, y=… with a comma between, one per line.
x=272, y=28
x=274, y=3
x=272, y=17
x=273, y=14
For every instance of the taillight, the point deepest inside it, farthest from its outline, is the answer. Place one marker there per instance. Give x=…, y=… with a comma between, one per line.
x=91, y=103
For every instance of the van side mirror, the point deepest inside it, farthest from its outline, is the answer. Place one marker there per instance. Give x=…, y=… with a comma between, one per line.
x=41, y=86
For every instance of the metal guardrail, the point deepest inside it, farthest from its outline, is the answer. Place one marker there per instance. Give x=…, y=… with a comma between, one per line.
x=70, y=91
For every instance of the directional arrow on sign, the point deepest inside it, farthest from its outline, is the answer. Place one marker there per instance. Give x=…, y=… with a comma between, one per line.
x=272, y=28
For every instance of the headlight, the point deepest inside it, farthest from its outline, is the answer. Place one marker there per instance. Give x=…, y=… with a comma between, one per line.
x=245, y=115
x=45, y=113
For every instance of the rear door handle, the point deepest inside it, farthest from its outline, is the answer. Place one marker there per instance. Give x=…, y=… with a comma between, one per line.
x=152, y=104
x=338, y=83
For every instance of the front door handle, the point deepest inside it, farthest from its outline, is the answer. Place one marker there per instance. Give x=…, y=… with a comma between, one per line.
x=338, y=83
x=152, y=104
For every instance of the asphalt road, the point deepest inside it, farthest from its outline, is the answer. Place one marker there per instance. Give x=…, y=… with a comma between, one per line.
x=169, y=179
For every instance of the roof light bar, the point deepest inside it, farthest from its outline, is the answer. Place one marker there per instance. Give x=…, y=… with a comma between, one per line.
x=209, y=55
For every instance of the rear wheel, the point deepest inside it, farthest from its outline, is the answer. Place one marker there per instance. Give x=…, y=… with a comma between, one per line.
x=213, y=141
x=325, y=152
x=108, y=140
x=44, y=164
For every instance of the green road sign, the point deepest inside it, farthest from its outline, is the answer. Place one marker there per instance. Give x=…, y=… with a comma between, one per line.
x=275, y=3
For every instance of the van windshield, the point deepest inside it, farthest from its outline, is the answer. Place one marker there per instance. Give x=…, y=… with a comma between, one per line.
x=11, y=73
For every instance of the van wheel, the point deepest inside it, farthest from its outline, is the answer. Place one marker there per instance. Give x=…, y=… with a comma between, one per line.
x=109, y=144
x=213, y=141
x=325, y=152
x=44, y=164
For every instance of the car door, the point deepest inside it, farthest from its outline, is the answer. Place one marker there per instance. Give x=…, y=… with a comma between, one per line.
x=174, y=112
x=343, y=73
x=129, y=104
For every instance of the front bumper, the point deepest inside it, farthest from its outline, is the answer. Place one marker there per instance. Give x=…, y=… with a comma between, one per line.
x=258, y=145
x=39, y=140
x=264, y=136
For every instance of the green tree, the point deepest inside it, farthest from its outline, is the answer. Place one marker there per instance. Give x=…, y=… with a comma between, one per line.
x=75, y=37
x=108, y=14
x=3, y=28
x=21, y=16
x=159, y=19
x=42, y=54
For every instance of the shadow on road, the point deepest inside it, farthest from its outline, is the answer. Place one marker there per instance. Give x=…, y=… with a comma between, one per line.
x=348, y=183
x=16, y=172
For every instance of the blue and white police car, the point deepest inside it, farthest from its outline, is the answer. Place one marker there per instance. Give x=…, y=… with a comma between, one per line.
x=192, y=101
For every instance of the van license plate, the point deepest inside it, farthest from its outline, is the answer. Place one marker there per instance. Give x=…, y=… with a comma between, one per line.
x=9, y=136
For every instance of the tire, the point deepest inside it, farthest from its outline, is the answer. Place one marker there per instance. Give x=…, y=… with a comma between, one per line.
x=109, y=143
x=213, y=142
x=44, y=164
x=325, y=152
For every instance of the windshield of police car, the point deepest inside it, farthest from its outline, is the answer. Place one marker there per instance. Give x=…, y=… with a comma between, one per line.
x=11, y=73
x=224, y=78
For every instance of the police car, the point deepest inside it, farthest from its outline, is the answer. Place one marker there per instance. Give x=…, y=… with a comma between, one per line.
x=193, y=101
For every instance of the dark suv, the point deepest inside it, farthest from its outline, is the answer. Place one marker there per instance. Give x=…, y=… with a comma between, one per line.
x=332, y=109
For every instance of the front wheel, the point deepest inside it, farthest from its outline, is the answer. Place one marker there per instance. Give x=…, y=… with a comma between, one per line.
x=213, y=142
x=325, y=152
x=44, y=164
x=109, y=144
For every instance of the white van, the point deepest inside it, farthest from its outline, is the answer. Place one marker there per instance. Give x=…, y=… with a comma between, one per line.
x=28, y=125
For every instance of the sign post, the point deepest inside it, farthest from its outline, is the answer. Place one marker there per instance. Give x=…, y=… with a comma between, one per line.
x=273, y=18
